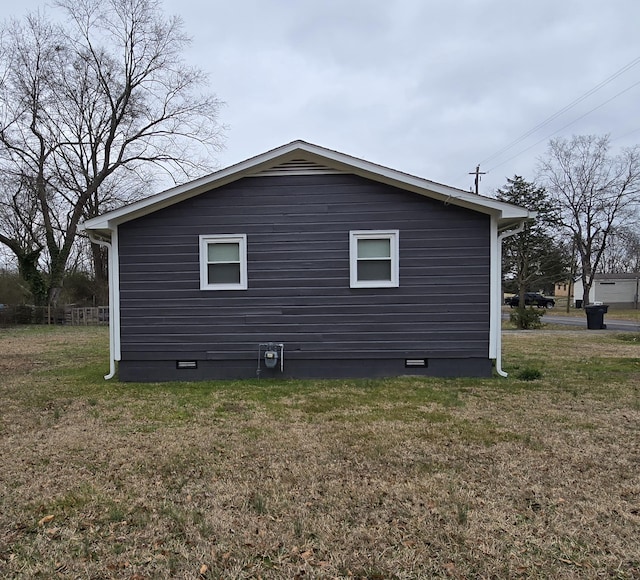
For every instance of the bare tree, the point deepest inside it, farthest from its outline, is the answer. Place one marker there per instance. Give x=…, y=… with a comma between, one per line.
x=595, y=192
x=622, y=254
x=91, y=112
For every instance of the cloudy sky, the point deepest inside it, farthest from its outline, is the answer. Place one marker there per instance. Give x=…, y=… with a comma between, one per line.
x=429, y=87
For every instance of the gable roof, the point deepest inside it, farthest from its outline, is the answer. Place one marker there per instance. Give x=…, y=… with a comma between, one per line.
x=301, y=158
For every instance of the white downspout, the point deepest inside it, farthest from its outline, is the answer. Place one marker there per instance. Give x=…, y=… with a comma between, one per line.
x=498, y=298
x=112, y=362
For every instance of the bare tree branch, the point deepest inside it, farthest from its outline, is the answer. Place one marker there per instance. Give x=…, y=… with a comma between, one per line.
x=91, y=110
x=595, y=191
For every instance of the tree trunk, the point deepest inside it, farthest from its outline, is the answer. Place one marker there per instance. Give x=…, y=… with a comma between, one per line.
x=58, y=263
x=522, y=290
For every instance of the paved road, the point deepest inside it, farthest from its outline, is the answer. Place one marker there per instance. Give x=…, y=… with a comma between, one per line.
x=611, y=323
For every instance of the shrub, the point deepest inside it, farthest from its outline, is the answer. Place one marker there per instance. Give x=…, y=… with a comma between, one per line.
x=527, y=318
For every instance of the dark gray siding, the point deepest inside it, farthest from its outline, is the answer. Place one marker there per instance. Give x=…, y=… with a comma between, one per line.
x=297, y=231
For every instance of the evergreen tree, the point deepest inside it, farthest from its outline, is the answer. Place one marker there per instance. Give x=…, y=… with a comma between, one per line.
x=532, y=259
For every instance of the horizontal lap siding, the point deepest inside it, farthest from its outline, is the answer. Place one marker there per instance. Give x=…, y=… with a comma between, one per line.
x=297, y=231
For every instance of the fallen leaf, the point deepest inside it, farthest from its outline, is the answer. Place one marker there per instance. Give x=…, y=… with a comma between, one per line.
x=45, y=520
x=203, y=569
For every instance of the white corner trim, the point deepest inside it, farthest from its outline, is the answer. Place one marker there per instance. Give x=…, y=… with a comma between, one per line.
x=111, y=244
x=496, y=292
x=115, y=297
x=495, y=285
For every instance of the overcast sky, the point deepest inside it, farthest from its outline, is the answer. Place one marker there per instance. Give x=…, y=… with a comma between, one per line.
x=428, y=87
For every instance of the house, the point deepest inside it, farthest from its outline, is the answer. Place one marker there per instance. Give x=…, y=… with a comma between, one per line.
x=618, y=290
x=562, y=288
x=305, y=262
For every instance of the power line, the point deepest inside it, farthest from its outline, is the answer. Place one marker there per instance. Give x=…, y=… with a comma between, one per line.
x=565, y=126
x=568, y=107
x=575, y=102
x=626, y=134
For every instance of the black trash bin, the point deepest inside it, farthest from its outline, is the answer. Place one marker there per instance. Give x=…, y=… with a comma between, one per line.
x=595, y=316
x=578, y=303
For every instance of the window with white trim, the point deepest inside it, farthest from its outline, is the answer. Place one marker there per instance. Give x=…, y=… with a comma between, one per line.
x=223, y=262
x=374, y=258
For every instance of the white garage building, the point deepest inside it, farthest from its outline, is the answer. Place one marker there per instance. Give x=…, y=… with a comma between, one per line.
x=619, y=290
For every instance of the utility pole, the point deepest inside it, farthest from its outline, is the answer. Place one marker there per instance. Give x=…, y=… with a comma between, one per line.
x=477, y=173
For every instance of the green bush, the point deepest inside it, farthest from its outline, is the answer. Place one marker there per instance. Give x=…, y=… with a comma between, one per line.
x=528, y=318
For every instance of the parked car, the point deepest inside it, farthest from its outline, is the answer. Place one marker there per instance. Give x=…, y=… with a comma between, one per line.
x=531, y=299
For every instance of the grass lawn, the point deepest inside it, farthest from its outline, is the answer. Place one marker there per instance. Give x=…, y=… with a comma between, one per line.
x=533, y=476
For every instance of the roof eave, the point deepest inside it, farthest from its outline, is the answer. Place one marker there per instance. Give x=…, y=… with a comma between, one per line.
x=339, y=161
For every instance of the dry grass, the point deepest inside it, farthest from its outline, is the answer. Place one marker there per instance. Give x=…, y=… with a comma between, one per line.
x=404, y=478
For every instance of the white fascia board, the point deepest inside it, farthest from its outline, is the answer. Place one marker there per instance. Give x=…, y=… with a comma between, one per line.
x=292, y=151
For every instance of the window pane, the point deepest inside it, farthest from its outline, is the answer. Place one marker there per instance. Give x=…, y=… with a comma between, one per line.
x=224, y=273
x=380, y=248
x=374, y=270
x=223, y=252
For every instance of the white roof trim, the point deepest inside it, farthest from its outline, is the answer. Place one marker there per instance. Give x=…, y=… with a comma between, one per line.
x=507, y=214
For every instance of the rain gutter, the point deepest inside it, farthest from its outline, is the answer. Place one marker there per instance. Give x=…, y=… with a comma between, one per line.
x=106, y=243
x=498, y=298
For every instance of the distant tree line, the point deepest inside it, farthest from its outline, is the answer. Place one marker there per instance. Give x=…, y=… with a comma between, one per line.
x=79, y=288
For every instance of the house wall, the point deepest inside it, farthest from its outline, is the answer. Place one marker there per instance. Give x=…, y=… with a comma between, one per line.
x=616, y=291
x=298, y=292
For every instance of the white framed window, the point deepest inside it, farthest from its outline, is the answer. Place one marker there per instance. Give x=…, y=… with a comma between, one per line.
x=223, y=262
x=374, y=258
